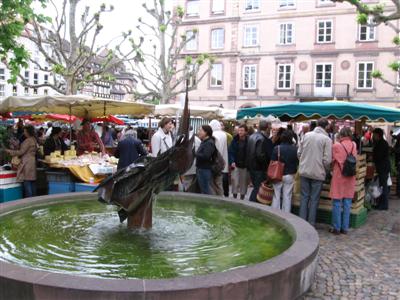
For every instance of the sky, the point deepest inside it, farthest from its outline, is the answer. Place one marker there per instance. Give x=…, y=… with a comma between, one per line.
x=124, y=17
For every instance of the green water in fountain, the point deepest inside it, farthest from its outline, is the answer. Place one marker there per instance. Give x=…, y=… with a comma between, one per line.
x=188, y=238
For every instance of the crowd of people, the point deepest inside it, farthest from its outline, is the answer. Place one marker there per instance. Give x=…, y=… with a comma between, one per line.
x=319, y=152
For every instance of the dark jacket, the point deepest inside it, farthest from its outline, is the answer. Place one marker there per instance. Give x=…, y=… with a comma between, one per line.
x=129, y=150
x=238, y=152
x=259, y=151
x=205, y=154
x=381, y=157
x=51, y=145
x=396, y=150
x=288, y=155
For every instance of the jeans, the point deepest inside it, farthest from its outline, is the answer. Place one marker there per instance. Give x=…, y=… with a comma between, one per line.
x=29, y=188
x=257, y=177
x=240, y=181
x=225, y=184
x=204, y=178
x=310, y=190
x=284, y=190
x=341, y=221
x=383, y=199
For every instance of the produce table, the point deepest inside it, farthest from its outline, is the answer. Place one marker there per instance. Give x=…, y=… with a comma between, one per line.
x=87, y=168
x=358, y=211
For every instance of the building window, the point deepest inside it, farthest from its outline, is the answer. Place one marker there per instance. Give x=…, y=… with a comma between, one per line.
x=252, y=5
x=286, y=34
x=14, y=90
x=2, y=74
x=46, y=78
x=364, y=78
x=35, y=91
x=366, y=33
x=324, y=2
x=192, y=8
x=284, y=76
x=26, y=91
x=287, y=3
x=216, y=75
x=250, y=35
x=217, y=38
x=2, y=90
x=191, y=38
x=249, y=77
x=35, y=78
x=26, y=76
x=324, y=31
x=218, y=6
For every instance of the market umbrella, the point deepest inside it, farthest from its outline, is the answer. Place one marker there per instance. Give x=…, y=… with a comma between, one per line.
x=328, y=109
x=75, y=105
x=54, y=117
x=109, y=119
x=205, y=112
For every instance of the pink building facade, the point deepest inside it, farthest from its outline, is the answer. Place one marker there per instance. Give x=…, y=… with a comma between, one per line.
x=269, y=52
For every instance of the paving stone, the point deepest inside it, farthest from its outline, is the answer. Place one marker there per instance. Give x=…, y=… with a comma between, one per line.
x=362, y=265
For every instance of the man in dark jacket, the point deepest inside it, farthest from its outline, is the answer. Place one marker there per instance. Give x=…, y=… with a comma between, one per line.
x=382, y=165
x=54, y=142
x=237, y=160
x=259, y=150
x=129, y=149
x=396, y=150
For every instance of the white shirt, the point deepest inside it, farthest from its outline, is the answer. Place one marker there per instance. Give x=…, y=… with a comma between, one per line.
x=48, y=131
x=160, y=142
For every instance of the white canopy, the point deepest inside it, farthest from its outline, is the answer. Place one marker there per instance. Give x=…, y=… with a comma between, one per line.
x=78, y=105
x=195, y=111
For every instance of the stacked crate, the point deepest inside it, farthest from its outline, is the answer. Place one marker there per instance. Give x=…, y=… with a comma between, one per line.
x=10, y=189
x=358, y=211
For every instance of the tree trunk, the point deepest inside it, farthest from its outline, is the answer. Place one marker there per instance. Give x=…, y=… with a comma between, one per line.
x=70, y=86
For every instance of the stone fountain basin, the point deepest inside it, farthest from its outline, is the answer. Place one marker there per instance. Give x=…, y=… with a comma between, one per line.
x=286, y=276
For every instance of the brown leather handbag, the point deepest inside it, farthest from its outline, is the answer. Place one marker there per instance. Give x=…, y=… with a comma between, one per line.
x=275, y=168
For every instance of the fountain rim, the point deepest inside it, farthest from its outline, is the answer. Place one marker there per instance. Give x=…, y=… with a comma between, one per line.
x=303, y=251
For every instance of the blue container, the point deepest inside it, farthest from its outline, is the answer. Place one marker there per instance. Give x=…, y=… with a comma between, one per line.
x=84, y=187
x=61, y=187
x=9, y=192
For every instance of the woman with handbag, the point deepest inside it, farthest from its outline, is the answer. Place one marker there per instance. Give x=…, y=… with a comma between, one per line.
x=26, y=171
x=204, y=159
x=286, y=154
x=342, y=185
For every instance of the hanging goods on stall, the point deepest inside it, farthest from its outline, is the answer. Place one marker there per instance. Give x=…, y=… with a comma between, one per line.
x=349, y=166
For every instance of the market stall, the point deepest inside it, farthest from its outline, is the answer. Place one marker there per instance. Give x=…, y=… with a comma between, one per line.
x=332, y=110
x=67, y=171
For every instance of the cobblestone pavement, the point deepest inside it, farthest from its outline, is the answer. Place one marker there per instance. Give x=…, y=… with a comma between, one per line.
x=365, y=264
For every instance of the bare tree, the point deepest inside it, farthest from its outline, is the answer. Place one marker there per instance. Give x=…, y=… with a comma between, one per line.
x=377, y=14
x=73, y=56
x=158, y=70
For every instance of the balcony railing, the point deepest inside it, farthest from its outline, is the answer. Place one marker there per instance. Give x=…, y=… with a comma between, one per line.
x=312, y=91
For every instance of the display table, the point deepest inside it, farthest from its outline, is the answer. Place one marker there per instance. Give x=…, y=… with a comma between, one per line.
x=358, y=212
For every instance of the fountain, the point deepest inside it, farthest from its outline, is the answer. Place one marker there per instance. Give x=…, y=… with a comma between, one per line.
x=197, y=247
x=202, y=247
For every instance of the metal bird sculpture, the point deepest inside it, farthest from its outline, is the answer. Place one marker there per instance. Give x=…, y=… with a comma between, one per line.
x=133, y=188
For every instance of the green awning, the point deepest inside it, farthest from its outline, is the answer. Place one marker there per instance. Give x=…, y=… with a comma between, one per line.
x=327, y=109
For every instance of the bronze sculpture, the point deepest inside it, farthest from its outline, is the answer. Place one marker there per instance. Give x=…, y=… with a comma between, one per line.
x=134, y=187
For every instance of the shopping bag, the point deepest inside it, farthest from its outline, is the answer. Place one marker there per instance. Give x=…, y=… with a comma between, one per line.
x=275, y=169
x=265, y=193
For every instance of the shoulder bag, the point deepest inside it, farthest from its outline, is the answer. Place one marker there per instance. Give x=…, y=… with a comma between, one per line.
x=276, y=168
